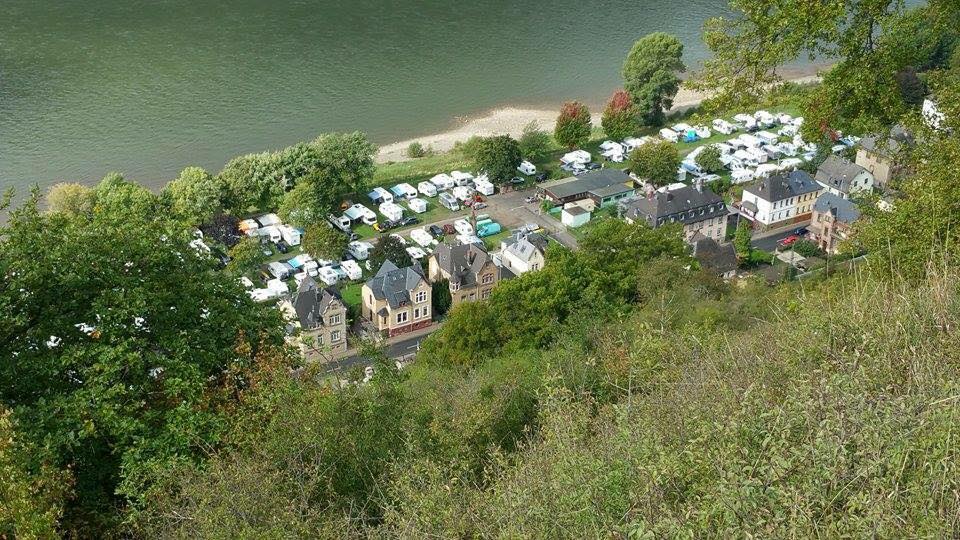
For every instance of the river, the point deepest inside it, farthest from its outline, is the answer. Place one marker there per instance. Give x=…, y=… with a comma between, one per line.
x=147, y=87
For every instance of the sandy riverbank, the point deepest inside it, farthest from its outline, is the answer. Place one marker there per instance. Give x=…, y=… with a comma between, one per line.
x=511, y=121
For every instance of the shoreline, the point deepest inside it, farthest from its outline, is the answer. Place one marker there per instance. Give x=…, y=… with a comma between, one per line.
x=510, y=120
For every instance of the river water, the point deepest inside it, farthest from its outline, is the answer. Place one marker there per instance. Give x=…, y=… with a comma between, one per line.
x=147, y=87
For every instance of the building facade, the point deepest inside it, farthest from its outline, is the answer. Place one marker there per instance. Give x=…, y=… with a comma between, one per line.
x=605, y=187
x=468, y=268
x=843, y=178
x=523, y=252
x=833, y=218
x=882, y=156
x=780, y=200
x=698, y=209
x=321, y=316
x=397, y=300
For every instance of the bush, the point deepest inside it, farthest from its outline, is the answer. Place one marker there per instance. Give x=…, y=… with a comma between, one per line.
x=807, y=248
x=416, y=150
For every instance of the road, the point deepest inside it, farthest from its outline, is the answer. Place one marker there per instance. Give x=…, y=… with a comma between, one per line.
x=769, y=243
x=397, y=350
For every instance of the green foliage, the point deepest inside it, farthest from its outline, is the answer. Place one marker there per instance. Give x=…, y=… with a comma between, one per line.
x=323, y=241
x=121, y=200
x=651, y=75
x=535, y=144
x=440, y=297
x=806, y=248
x=709, y=159
x=573, y=125
x=619, y=118
x=498, y=157
x=656, y=161
x=547, y=205
x=389, y=248
x=741, y=239
x=71, y=198
x=416, y=150
x=246, y=256
x=194, y=196
x=123, y=349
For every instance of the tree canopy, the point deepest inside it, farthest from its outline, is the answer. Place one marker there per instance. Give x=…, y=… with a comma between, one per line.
x=651, y=75
x=498, y=157
x=573, y=125
x=194, y=196
x=619, y=118
x=323, y=241
x=656, y=161
x=389, y=248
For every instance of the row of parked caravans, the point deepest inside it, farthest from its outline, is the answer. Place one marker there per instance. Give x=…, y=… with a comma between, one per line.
x=270, y=227
x=758, y=120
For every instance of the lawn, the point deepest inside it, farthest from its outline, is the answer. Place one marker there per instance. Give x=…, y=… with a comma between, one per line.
x=493, y=242
x=351, y=293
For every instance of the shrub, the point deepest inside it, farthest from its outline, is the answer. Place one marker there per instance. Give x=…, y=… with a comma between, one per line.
x=416, y=150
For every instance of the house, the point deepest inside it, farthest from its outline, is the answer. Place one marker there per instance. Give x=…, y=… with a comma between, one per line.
x=397, y=300
x=715, y=258
x=843, y=177
x=605, y=187
x=697, y=208
x=523, y=252
x=321, y=315
x=780, y=199
x=832, y=220
x=469, y=269
x=883, y=156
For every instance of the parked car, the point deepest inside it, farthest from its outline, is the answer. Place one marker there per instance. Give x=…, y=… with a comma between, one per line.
x=800, y=231
x=384, y=226
x=788, y=241
x=516, y=180
x=266, y=251
x=436, y=231
x=449, y=229
x=542, y=177
x=479, y=205
x=530, y=200
x=410, y=220
x=593, y=165
x=282, y=247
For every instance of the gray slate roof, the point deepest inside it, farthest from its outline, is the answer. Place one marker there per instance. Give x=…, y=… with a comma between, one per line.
x=685, y=205
x=311, y=302
x=714, y=257
x=462, y=263
x=602, y=182
x=524, y=246
x=890, y=145
x=841, y=209
x=394, y=284
x=838, y=173
x=783, y=186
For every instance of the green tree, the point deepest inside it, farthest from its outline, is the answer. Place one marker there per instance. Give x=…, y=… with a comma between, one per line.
x=651, y=75
x=119, y=199
x=441, y=299
x=323, y=241
x=389, y=248
x=246, y=256
x=709, y=159
x=573, y=126
x=499, y=157
x=416, y=150
x=71, y=198
x=656, y=161
x=194, y=196
x=619, y=119
x=252, y=182
x=741, y=239
x=535, y=143
x=126, y=353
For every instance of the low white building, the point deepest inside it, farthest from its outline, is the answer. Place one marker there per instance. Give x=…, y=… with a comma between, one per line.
x=780, y=199
x=574, y=215
x=523, y=252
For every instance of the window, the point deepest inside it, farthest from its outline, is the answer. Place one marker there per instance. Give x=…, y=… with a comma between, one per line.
x=319, y=340
x=421, y=297
x=416, y=313
x=535, y=266
x=402, y=317
x=426, y=312
x=334, y=336
x=335, y=319
x=454, y=286
x=488, y=278
x=485, y=294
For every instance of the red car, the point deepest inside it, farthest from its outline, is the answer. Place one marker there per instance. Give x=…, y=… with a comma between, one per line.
x=788, y=241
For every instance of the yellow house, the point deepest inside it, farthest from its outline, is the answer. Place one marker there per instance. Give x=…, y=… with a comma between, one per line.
x=397, y=300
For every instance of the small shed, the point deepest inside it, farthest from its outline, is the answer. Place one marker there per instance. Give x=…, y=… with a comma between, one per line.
x=574, y=216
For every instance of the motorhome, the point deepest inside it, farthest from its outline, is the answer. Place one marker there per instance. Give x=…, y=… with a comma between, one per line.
x=750, y=141
x=767, y=137
x=632, y=143
x=484, y=186
x=461, y=178
x=527, y=168
x=758, y=154
x=404, y=191
x=379, y=196
x=279, y=270
x=442, y=181
x=342, y=222
x=391, y=211
x=669, y=135
x=359, y=250
x=422, y=237
x=290, y=235
x=328, y=275
x=722, y=126
x=577, y=156
x=463, y=227
x=748, y=122
x=352, y=269
x=427, y=189
x=448, y=201
x=417, y=205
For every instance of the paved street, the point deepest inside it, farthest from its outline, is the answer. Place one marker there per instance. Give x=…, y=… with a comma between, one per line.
x=768, y=241
x=399, y=349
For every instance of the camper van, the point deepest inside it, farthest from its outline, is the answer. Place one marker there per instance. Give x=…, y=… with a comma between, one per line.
x=484, y=186
x=403, y=191
x=343, y=222
x=427, y=189
x=442, y=181
x=359, y=250
x=448, y=201
x=380, y=196
x=669, y=135
x=461, y=178
x=527, y=168
x=418, y=206
x=290, y=235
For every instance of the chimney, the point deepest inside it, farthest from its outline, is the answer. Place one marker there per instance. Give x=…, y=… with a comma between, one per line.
x=698, y=183
x=669, y=196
